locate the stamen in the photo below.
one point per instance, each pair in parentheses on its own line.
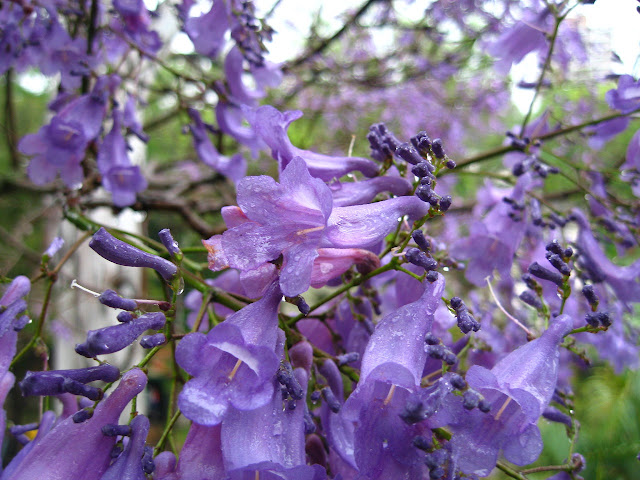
(351,144)
(234,371)
(257,475)
(509,316)
(389,395)
(503,407)
(310,230)
(75,284)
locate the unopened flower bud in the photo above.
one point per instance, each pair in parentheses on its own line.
(113,300)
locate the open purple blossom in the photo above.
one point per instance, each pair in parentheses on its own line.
(625,281)
(59,147)
(626,97)
(207,30)
(119,175)
(271,126)
(233,364)
(518,388)
(494,240)
(233,168)
(391,371)
(121,253)
(295,218)
(526,36)
(80,450)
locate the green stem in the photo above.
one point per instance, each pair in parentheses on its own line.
(166,431)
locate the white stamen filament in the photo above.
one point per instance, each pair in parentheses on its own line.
(75,284)
(234,371)
(389,395)
(351,144)
(257,475)
(509,316)
(503,408)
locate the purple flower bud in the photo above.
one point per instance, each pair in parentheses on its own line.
(406,152)
(83,415)
(532,299)
(309,424)
(445,203)
(450,358)
(437,148)
(330,398)
(539,271)
(121,253)
(436,458)
(421,241)
(113,430)
(115,338)
(113,300)
(286,378)
(424,192)
(422,442)
(450,164)
(169,243)
(419,258)
(590,295)
(554,247)
(559,264)
(347,358)
(484,406)
(56,382)
(422,169)
(436,351)
(456,303)
(151,341)
(554,415)
(148,465)
(125,317)
(530,282)
(457,381)
(470,399)
(21,322)
(432,276)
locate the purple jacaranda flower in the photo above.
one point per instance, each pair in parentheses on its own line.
(116,337)
(233,364)
(293,219)
(605,131)
(231,120)
(360,193)
(59,147)
(121,253)
(13,305)
(207,30)
(128,465)
(131,121)
(80,450)
(494,240)
(391,371)
(7,379)
(269,439)
(633,153)
(200,457)
(271,126)
(518,388)
(626,97)
(119,176)
(54,247)
(234,168)
(625,281)
(526,36)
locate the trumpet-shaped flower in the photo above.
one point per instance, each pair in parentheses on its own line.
(294,219)
(233,364)
(519,388)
